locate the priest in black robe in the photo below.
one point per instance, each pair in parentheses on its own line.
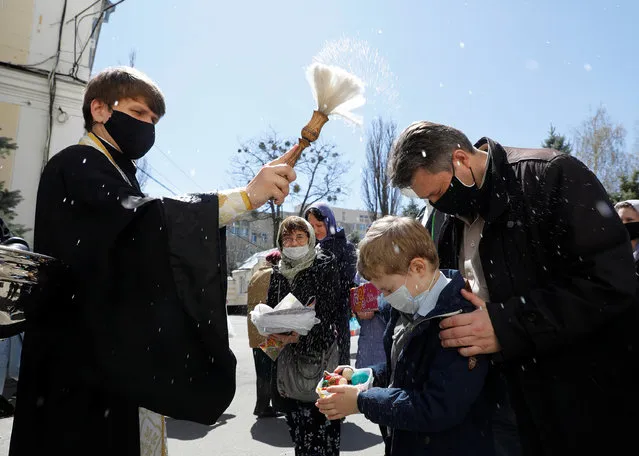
(133,327)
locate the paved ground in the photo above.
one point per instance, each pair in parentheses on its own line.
(238,433)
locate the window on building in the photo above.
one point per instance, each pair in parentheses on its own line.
(244,228)
(253,237)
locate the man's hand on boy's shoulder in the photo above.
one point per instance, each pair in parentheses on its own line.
(472,332)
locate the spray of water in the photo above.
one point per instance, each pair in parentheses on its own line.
(357,57)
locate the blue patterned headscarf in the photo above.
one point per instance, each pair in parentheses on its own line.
(327,217)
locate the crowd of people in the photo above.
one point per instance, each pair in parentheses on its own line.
(505,324)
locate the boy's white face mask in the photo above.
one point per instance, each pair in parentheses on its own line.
(402,300)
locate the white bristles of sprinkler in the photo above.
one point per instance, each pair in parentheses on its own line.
(336,91)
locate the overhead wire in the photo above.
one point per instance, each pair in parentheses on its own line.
(146,173)
(75,66)
(179,168)
(163,176)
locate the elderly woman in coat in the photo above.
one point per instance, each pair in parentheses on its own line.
(308,273)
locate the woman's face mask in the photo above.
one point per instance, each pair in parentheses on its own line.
(295,245)
(295,253)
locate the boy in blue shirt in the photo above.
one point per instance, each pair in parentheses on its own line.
(432,400)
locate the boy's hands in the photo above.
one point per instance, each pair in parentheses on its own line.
(342,402)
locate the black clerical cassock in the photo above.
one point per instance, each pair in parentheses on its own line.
(137,318)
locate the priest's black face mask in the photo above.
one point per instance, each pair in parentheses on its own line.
(131,125)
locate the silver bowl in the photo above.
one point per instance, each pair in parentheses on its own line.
(20,272)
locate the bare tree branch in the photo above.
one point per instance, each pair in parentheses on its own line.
(320,176)
(600,145)
(317,172)
(379,197)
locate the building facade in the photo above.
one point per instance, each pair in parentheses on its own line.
(47,49)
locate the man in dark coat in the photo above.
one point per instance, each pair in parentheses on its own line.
(551,269)
(138,321)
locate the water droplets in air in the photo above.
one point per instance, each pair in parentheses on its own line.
(357,57)
(604,209)
(532,64)
(462,45)
(84,161)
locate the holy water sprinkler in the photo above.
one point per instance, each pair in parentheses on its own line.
(337,93)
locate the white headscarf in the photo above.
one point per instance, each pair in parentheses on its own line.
(289,267)
(634,203)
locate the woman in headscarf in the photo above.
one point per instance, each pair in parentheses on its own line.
(628,212)
(333,239)
(306,272)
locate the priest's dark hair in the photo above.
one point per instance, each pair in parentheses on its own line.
(117,83)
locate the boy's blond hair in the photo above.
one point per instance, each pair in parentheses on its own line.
(391,243)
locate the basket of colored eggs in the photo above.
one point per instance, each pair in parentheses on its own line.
(345,375)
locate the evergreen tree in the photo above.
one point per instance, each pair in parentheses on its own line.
(557,142)
(628,188)
(411,209)
(9,199)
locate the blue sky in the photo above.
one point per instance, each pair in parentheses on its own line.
(506,69)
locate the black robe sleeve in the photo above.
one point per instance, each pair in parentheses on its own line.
(141,312)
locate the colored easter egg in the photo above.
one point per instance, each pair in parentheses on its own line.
(359,378)
(347,373)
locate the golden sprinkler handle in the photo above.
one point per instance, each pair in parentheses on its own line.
(310,133)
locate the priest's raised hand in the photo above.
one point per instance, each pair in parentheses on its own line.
(272,181)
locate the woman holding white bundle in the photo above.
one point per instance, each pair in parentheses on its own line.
(309,274)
